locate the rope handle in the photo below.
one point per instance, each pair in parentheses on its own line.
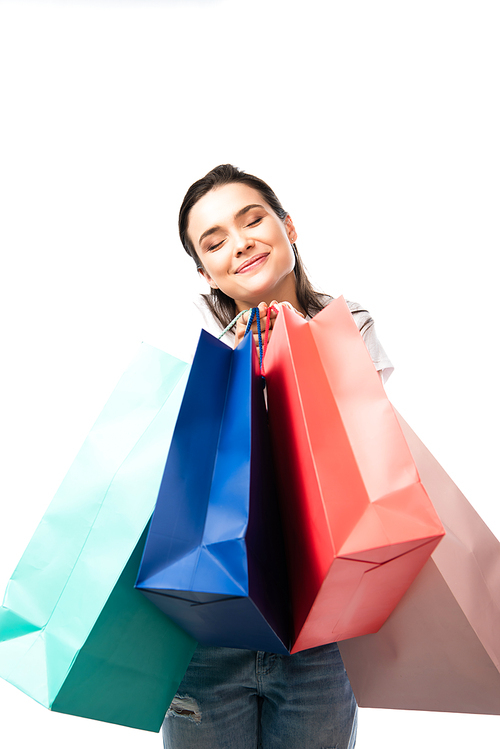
(235,319)
(232,323)
(254,314)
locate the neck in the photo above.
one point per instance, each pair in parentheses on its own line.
(286,293)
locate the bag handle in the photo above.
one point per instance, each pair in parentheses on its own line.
(254,314)
(232,323)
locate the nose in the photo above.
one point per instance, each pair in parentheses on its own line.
(242,243)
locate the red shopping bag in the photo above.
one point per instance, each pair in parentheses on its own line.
(358,523)
(440,648)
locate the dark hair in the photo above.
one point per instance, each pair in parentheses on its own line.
(222,306)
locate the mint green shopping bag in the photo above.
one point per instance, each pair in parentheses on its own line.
(74,633)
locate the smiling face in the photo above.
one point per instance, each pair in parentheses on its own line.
(244,247)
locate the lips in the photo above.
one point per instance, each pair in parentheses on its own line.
(252,262)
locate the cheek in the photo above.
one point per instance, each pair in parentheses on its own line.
(289,253)
(217,267)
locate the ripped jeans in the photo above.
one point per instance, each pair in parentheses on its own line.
(242,699)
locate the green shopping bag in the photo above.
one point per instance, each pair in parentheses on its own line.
(74,633)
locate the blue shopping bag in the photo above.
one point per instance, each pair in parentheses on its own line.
(214,559)
(74,633)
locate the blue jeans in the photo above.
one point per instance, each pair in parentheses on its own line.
(242,699)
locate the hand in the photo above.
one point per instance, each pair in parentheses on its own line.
(241,325)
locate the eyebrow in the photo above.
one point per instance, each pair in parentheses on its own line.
(237,215)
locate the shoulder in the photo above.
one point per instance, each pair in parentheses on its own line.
(366,327)
(361,316)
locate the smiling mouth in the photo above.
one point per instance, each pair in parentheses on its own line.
(252,263)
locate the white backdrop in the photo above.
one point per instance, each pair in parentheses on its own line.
(377,125)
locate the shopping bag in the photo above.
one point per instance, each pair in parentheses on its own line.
(440,648)
(214,559)
(358,523)
(74,633)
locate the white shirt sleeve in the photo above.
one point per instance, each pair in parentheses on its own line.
(366,327)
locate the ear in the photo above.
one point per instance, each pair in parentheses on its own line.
(207,278)
(290,229)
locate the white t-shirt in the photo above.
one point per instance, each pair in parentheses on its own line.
(362,317)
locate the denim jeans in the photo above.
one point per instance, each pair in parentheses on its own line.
(242,699)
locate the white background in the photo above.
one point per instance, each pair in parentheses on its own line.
(377,125)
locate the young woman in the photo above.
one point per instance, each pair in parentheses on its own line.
(243,243)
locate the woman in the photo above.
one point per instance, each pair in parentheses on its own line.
(243,243)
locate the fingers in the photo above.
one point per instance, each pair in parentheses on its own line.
(263,308)
(287,304)
(239,331)
(241,325)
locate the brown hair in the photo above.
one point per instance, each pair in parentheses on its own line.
(222,306)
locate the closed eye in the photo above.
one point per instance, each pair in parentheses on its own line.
(257,221)
(214,247)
